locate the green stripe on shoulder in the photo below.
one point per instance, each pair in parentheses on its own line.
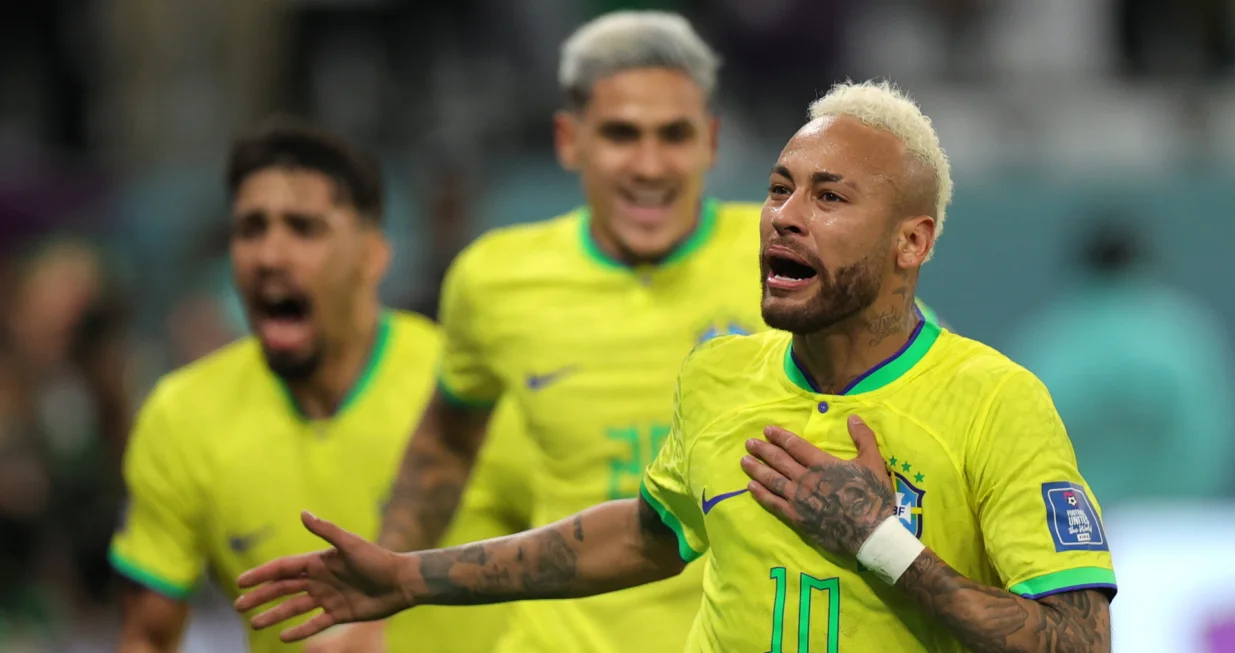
(381,342)
(684,550)
(458,401)
(147,579)
(708,210)
(1066,580)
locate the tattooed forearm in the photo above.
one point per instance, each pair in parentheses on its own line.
(596,551)
(826,491)
(431,479)
(480,573)
(990,620)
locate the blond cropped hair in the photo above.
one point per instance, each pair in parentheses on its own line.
(881,105)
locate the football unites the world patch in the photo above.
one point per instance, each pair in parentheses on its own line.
(1072,519)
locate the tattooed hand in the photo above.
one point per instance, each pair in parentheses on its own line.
(354,581)
(832,503)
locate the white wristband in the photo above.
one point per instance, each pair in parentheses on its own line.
(889,550)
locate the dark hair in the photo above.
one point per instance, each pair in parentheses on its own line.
(291,143)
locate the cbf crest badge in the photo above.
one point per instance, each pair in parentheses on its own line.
(909,503)
(908,496)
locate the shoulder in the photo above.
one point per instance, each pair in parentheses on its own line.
(415,350)
(730,363)
(210,376)
(737,224)
(720,352)
(200,393)
(499,252)
(980,371)
(411,327)
(739,214)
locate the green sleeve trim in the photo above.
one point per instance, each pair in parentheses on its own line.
(454,399)
(133,572)
(684,549)
(709,209)
(1066,580)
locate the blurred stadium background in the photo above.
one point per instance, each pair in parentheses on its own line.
(1091,237)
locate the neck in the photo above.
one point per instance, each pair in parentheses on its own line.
(835,357)
(321,395)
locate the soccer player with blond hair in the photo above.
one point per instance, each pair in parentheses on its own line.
(859,478)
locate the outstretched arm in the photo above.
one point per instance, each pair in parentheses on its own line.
(991,620)
(612,546)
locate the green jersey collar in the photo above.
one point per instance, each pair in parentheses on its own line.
(920,341)
(703,230)
(381,342)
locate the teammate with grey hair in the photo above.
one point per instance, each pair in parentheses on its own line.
(625,41)
(584,319)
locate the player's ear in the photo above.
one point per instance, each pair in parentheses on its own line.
(376,256)
(713,138)
(915,241)
(565,138)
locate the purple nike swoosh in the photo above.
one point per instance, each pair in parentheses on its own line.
(539,381)
(708,504)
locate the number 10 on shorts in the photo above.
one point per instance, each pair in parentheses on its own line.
(807,587)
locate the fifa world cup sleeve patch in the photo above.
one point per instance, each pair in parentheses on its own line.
(1071,518)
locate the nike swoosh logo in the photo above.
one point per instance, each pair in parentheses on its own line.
(243,543)
(539,381)
(708,504)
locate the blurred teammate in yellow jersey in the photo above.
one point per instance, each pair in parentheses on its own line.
(584,319)
(312,412)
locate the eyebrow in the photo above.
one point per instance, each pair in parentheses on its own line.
(621,124)
(261,214)
(818,177)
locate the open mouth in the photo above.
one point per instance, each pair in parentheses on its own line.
(647,205)
(787,271)
(282,320)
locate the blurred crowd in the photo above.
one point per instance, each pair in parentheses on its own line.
(113,237)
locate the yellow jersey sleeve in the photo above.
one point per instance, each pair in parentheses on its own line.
(1040,521)
(666,485)
(466,380)
(158,544)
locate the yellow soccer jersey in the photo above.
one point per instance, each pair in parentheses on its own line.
(984,471)
(589,349)
(221,463)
